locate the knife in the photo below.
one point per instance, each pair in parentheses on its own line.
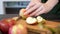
(19,17)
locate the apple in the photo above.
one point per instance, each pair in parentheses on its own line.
(21,13)
(31,20)
(40,19)
(10,22)
(5,24)
(18,29)
(4,27)
(41,22)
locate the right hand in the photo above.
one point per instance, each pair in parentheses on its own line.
(36,8)
(33,6)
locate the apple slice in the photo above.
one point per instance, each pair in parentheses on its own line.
(21,13)
(40,19)
(41,22)
(31,20)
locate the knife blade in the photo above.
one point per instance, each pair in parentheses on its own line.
(19,17)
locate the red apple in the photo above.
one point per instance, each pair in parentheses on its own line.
(18,29)
(5,24)
(10,22)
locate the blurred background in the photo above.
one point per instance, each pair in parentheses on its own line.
(12,6)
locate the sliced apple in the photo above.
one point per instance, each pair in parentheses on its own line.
(40,19)
(31,20)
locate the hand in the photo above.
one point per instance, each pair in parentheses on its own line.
(33,5)
(36,8)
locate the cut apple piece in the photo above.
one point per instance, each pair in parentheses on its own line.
(40,19)
(31,20)
(21,13)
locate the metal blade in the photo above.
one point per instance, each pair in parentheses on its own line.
(19,17)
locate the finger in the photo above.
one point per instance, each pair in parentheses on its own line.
(30,5)
(41,12)
(32,14)
(31,9)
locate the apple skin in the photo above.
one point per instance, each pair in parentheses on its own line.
(18,29)
(5,24)
(4,27)
(9,22)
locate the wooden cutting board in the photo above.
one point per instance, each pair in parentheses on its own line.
(36,28)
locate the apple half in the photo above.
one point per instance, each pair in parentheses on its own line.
(31,20)
(40,19)
(41,22)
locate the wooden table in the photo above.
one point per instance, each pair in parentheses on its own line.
(36,28)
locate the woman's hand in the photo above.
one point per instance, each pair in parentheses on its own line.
(32,3)
(33,7)
(36,8)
